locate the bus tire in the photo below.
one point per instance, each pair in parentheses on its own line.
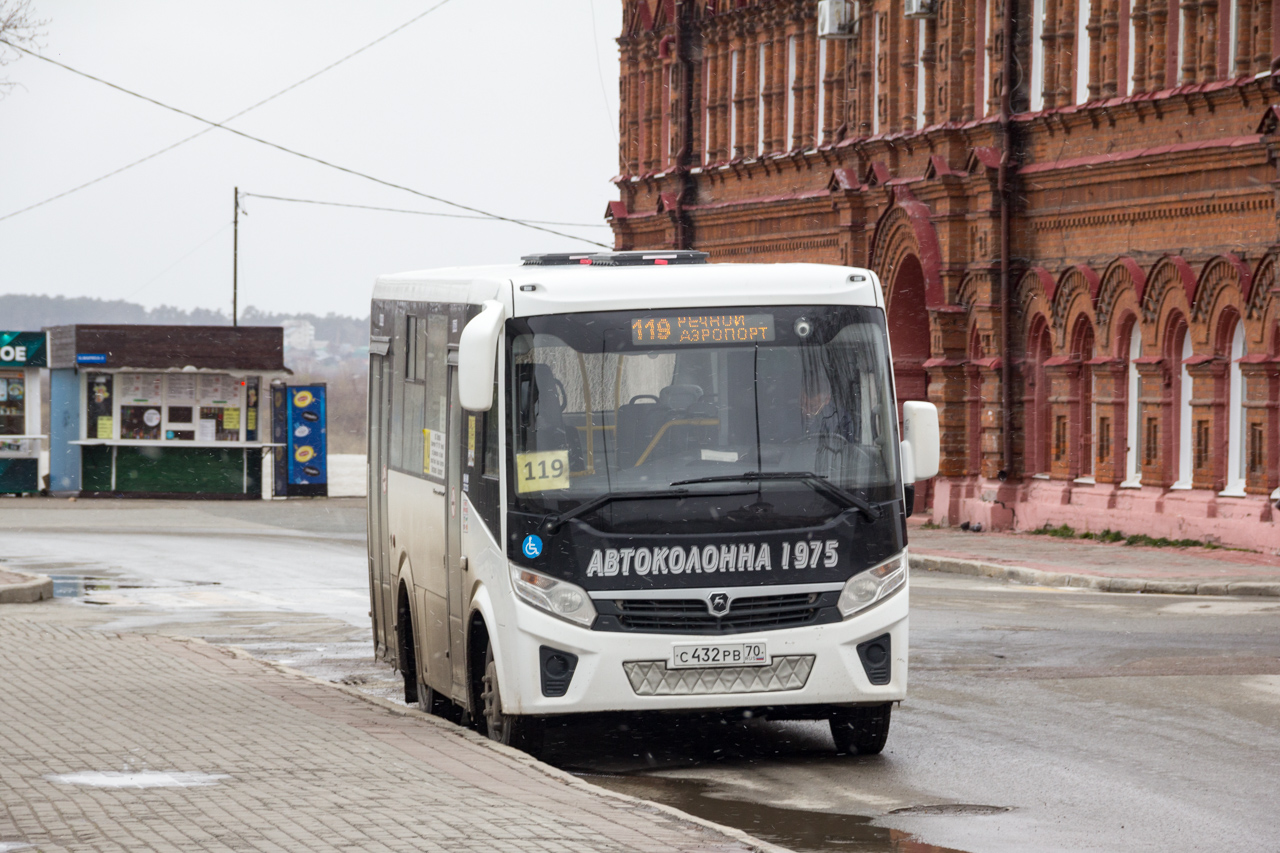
(437,704)
(861,729)
(516,730)
(407,651)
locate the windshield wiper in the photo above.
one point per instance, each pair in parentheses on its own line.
(553,522)
(819,484)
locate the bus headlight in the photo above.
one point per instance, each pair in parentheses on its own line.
(559,598)
(866,588)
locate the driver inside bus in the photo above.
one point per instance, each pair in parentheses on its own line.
(796,403)
(819,415)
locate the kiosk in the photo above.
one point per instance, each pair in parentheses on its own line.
(158,411)
(22,354)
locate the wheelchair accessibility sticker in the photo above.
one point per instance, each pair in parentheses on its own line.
(532,546)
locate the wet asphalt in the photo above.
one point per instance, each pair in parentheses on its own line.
(1036,719)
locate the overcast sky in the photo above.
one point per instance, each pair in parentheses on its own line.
(496,104)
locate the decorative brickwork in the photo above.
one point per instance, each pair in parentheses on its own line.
(1144,311)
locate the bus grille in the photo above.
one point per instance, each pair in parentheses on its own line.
(691,616)
(652,678)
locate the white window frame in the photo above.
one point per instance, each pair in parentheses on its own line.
(1084,8)
(1184,415)
(792,70)
(1235,418)
(1037,56)
(1132,456)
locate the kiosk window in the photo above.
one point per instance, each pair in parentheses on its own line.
(99,406)
(12,404)
(251,386)
(140,422)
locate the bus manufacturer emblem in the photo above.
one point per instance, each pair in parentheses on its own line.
(719,602)
(532,546)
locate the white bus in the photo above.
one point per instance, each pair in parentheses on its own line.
(640,482)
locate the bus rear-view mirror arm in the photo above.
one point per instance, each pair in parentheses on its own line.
(476,356)
(920,442)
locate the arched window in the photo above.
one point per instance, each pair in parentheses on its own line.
(1085,420)
(1133,411)
(1039,435)
(974,401)
(1182,404)
(1235,416)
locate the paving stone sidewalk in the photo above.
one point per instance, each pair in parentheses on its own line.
(293,763)
(1115,567)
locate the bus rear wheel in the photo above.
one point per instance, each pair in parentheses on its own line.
(437,704)
(861,729)
(519,731)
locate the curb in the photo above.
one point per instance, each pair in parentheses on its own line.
(35,588)
(756,845)
(1037,577)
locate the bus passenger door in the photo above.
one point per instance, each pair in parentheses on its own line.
(379,580)
(458,574)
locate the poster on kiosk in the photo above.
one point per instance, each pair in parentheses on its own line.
(22,354)
(299,423)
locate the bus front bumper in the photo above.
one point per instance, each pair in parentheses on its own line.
(616,671)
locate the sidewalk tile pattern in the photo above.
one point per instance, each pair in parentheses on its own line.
(309,767)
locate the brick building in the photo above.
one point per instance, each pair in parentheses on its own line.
(1142,363)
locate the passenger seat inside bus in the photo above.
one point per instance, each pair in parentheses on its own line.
(643,418)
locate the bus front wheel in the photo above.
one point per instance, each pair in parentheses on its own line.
(521,732)
(861,729)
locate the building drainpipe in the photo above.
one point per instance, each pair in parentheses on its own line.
(1005,191)
(684,225)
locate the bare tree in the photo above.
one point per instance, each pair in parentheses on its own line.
(19,27)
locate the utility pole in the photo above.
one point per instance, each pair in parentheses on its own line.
(235,259)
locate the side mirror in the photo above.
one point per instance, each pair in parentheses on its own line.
(920,443)
(476,353)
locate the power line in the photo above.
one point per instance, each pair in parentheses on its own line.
(418,212)
(313,159)
(168,148)
(160,274)
(604,92)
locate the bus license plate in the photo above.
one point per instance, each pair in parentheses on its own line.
(719,654)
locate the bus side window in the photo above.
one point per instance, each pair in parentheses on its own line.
(486,493)
(399,346)
(492,426)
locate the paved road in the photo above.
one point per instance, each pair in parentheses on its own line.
(1037,719)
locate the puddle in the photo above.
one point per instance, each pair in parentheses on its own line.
(82,586)
(139,779)
(6,846)
(801,831)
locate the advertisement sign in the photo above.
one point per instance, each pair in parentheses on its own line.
(307,446)
(23,349)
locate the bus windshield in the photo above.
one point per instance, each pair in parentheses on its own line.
(703,403)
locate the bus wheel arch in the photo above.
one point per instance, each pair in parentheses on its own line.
(517,730)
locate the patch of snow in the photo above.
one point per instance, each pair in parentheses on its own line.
(138,779)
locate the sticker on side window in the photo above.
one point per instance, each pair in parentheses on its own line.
(541,472)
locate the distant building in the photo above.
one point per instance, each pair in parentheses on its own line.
(1144,346)
(299,335)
